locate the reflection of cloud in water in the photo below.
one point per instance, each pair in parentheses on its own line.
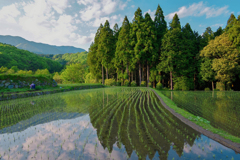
(47,139)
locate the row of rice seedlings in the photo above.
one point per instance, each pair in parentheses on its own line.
(175,125)
(104,111)
(142,137)
(106,108)
(172,121)
(83,147)
(156,120)
(146,128)
(98,110)
(121,122)
(113,111)
(113,118)
(128,134)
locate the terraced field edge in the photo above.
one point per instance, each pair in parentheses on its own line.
(218,135)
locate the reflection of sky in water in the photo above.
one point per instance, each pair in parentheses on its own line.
(77,139)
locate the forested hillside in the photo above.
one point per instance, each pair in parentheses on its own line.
(174,56)
(25,60)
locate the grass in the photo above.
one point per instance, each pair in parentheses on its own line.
(197,120)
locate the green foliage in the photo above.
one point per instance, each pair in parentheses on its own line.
(15,68)
(207,89)
(225,58)
(133,84)
(3,69)
(126,82)
(38,88)
(159,86)
(149,84)
(220,86)
(110,82)
(57,78)
(143,84)
(175,22)
(25,60)
(74,73)
(183,83)
(90,78)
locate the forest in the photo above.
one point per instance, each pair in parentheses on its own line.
(148,52)
(24,60)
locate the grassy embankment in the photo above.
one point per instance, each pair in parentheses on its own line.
(194,119)
(46,88)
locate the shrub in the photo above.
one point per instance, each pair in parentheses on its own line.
(207,89)
(38,88)
(143,84)
(118,83)
(133,84)
(220,86)
(126,82)
(183,83)
(109,82)
(216,90)
(159,86)
(149,84)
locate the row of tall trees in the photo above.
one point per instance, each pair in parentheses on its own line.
(178,57)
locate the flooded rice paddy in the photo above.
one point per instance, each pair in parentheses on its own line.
(112,123)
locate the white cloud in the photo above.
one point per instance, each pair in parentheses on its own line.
(217,25)
(112,20)
(8,14)
(198,9)
(97,9)
(152,13)
(132,6)
(85,39)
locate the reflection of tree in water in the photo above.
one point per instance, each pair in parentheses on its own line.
(150,129)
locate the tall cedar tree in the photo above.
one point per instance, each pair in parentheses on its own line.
(137,37)
(207,36)
(187,67)
(231,21)
(171,47)
(225,58)
(150,44)
(161,29)
(234,35)
(122,54)
(106,47)
(218,32)
(92,58)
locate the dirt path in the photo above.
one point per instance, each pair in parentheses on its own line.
(216,137)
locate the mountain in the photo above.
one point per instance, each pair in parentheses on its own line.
(39,48)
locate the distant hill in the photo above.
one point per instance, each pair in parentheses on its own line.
(23,59)
(38,48)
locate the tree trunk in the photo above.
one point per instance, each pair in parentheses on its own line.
(154,84)
(117,77)
(212,86)
(194,81)
(171,80)
(160,76)
(102,75)
(162,82)
(139,74)
(122,78)
(135,76)
(132,75)
(147,74)
(143,72)
(106,73)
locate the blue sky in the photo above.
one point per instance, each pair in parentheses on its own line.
(75,22)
